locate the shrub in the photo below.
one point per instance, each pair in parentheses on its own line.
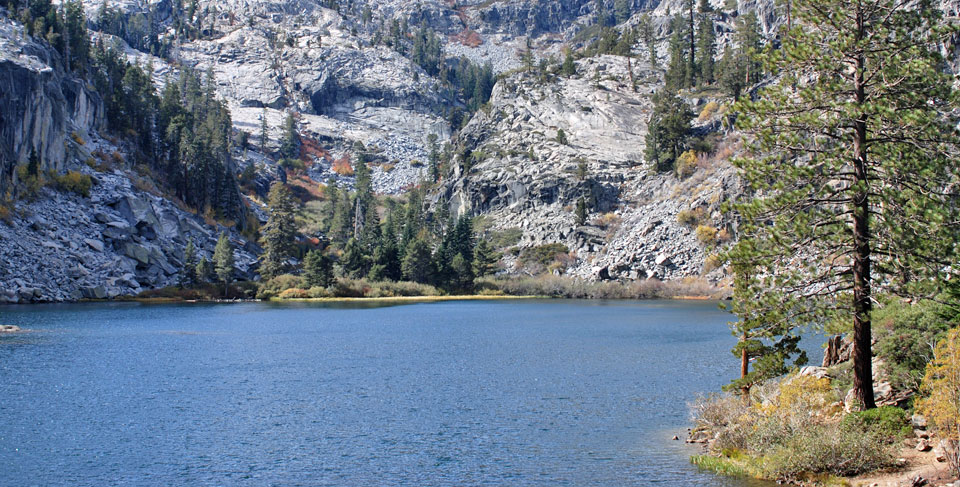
(711,263)
(905,334)
(686,164)
(706,234)
(791,431)
(941,389)
(75,182)
(350,288)
(690,217)
(278,284)
(294,293)
(318,292)
(543,254)
(890,422)
(416,163)
(830,449)
(708,111)
(342,166)
(507,237)
(76,138)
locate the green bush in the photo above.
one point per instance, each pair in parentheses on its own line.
(277,285)
(543,254)
(828,449)
(905,333)
(790,431)
(318,292)
(889,422)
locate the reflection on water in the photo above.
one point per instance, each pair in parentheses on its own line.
(452,393)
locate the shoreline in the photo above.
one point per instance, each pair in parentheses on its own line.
(402,299)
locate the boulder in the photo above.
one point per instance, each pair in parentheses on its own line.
(663,260)
(818,372)
(136,210)
(94,244)
(137,252)
(94,292)
(923,445)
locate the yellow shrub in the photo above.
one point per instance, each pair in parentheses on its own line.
(76,182)
(686,164)
(708,111)
(941,390)
(711,262)
(690,217)
(76,138)
(800,395)
(706,234)
(294,293)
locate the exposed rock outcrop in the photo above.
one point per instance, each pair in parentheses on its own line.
(40,106)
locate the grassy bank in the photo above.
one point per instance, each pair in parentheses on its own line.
(294,288)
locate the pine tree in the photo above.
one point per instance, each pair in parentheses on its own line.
(485,259)
(677,76)
(854,187)
(581,212)
(188,273)
(290,143)
(33,163)
(706,45)
(417,260)
(264,131)
(278,235)
(317,269)
(203,270)
(223,261)
(568,68)
(668,130)
(646,32)
(355,261)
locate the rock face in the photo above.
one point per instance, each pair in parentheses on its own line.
(521,176)
(39,106)
(120,241)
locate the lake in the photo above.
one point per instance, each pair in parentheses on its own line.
(454,393)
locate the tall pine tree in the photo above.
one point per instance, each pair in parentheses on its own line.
(852,170)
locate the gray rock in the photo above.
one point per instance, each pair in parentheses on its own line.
(94,244)
(94,292)
(137,252)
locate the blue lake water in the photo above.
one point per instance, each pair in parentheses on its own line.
(455,393)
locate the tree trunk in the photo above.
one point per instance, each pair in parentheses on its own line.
(693,49)
(862,305)
(744,369)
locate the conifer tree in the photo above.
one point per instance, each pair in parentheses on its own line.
(417,260)
(264,131)
(568,68)
(317,269)
(485,259)
(203,270)
(706,44)
(278,235)
(223,261)
(668,130)
(852,174)
(188,273)
(290,143)
(581,211)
